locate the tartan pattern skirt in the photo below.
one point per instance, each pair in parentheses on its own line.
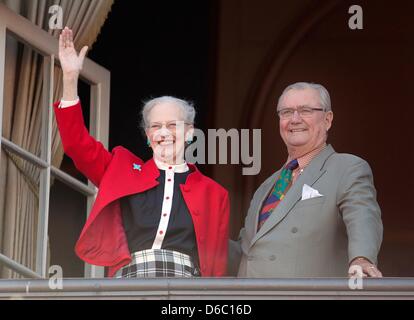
(153,263)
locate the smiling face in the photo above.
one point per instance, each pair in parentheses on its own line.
(302,135)
(167,132)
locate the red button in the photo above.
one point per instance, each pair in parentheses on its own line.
(161,232)
(169,167)
(169,179)
(164,214)
(167,198)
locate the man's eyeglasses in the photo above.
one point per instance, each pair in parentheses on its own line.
(304,112)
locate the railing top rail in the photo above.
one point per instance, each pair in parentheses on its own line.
(208,288)
(225,283)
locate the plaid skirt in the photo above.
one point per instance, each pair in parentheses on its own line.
(159,263)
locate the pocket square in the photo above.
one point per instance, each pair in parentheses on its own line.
(309,193)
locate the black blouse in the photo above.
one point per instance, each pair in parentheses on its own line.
(142,213)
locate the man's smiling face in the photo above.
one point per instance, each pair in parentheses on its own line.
(304,133)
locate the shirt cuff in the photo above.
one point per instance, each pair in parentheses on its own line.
(68,103)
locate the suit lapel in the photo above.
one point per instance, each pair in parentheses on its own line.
(310,175)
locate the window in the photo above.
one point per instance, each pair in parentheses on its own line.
(38,159)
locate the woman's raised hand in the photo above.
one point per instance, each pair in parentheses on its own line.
(70,61)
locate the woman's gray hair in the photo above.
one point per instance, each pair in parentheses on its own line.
(323,93)
(186,106)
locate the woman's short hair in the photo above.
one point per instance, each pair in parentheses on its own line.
(186,106)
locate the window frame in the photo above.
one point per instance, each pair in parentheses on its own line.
(16,26)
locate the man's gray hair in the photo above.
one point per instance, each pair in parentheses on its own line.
(323,93)
(186,107)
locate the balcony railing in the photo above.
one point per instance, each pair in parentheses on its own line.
(208,288)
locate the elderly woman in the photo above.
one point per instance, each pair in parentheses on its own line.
(161,218)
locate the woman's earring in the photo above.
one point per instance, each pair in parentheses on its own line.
(189,141)
(148,142)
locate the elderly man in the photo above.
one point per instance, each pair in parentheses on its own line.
(318,215)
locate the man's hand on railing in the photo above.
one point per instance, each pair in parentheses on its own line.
(71,63)
(368,269)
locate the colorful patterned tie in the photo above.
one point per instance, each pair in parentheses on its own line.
(279,190)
